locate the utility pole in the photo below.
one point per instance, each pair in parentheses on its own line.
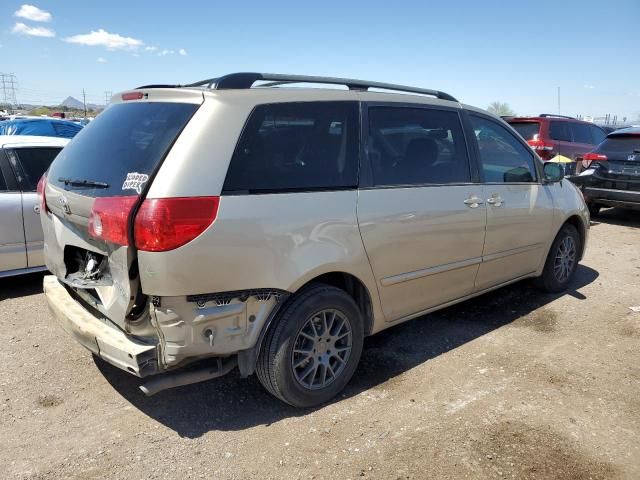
(559,112)
(84,102)
(107,97)
(9,87)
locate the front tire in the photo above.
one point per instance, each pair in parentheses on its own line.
(313,348)
(562,261)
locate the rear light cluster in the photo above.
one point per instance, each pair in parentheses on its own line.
(161,224)
(545,150)
(589,158)
(42,187)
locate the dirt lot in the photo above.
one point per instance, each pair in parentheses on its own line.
(514,384)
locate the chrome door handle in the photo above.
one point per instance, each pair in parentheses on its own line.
(473,202)
(495,200)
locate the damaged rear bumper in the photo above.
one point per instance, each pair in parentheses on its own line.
(99,335)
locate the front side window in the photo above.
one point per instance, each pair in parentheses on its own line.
(504,159)
(3,183)
(559,131)
(416,146)
(296,147)
(581,133)
(30,163)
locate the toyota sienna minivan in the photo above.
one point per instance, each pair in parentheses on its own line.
(238,222)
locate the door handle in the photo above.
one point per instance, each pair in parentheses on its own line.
(36,208)
(496,200)
(473,202)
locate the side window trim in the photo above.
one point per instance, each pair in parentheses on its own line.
(536,160)
(366,169)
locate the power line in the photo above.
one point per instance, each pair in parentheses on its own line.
(107,97)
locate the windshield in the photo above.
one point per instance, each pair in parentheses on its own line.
(527,130)
(121,148)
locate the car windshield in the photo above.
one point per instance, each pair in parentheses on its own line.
(527,130)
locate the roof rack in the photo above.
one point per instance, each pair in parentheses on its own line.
(543,115)
(245,80)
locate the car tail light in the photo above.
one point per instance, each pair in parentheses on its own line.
(543,148)
(163,224)
(591,157)
(109,218)
(42,187)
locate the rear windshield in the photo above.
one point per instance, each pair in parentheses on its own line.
(527,130)
(120,148)
(620,144)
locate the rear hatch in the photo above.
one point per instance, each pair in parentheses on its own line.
(618,162)
(92,191)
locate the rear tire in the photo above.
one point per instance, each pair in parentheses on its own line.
(562,261)
(594,209)
(313,347)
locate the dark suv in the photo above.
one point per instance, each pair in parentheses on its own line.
(612,175)
(550,135)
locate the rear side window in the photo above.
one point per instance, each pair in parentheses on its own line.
(30,163)
(581,133)
(3,183)
(504,159)
(527,130)
(296,147)
(597,133)
(416,146)
(121,147)
(559,131)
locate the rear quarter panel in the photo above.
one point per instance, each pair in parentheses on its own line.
(266,241)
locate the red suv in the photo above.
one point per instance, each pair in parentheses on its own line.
(550,135)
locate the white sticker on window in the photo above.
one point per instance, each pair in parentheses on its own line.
(135,181)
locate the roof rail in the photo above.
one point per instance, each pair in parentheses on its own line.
(543,115)
(246,80)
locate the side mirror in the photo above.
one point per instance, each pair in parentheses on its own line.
(553,172)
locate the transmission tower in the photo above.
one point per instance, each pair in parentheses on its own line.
(9,86)
(107,97)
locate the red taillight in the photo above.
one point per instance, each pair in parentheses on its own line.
(590,157)
(132,96)
(42,187)
(163,224)
(542,148)
(109,218)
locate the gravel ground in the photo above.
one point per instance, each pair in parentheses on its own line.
(514,384)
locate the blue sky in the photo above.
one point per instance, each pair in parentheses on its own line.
(513,51)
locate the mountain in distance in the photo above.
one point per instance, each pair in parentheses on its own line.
(71,102)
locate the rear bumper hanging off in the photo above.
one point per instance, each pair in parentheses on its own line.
(98,335)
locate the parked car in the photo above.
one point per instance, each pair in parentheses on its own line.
(273,228)
(550,135)
(612,172)
(23,160)
(44,127)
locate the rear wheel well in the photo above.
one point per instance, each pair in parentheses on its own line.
(355,288)
(577,222)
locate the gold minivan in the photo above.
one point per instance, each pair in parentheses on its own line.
(239,222)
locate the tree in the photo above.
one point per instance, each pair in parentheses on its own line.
(500,108)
